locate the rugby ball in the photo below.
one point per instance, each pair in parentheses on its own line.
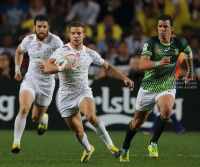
(65,59)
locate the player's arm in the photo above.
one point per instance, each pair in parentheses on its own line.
(189,61)
(50,68)
(18,61)
(146,64)
(112,70)
(145,60)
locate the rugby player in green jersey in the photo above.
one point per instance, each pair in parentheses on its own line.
(158,60)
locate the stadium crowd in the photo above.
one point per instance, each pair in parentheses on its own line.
(116,29)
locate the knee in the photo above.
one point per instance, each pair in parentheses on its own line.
(35,119)
(92,118)
(24,109)
(166,112)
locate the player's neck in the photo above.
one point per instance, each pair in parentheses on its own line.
(79,47)
(166,40)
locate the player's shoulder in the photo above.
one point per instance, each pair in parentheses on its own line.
(31,37)
(153,39)
(179,40)
(90,51)
(54,37)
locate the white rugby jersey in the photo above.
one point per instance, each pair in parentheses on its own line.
(40,51)
(76,80)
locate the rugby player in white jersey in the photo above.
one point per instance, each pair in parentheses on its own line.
(74,93)
(37,86)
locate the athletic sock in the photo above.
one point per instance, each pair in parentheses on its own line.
(159,127)
(85,143)
(103,134)
(19,126)
(44,119)
(130,133)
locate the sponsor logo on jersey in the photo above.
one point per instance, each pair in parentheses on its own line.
(158,51)
(167,49)
(30,37)
(176,51)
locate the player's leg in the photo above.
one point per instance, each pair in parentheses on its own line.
(25,99)
(42,101)
(165,103)
(39,116)
(179,127)
(75,124)
(87,107)
(133,127)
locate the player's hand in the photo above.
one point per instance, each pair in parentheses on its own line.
(165,60)
(189,76)
(18,75)
(70,66)
(129,83)
(41,65)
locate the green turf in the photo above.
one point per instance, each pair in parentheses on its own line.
(60,148)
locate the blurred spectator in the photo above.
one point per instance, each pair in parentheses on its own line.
(14,13)
(86,10)
(58,11)
(7,46)
(179,11)
(134,73)
(187,33)
(196,63)
(136,40)
(119,9)
(5,71)
(195,46)
(195,12)
(121,60)
(102,45)
(36,8)
(109,21)
(109,57)
(60,7)
(147,17)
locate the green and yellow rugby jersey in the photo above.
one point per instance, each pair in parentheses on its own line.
(162,78)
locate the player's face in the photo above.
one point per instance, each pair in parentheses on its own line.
(76,35)
(41,29)
(164,29)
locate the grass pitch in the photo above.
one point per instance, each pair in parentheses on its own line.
(61,149)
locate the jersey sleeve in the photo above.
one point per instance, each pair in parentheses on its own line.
(97,58)
(184,46)
(148,48)
(23,45)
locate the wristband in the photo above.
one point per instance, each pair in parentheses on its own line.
(61,68)
(17,68)
(190,70)
(157,63)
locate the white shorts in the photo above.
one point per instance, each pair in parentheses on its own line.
(146,99)
(41,94)
(69,103)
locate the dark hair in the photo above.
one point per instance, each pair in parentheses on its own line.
(7,54)
(41,18)
(77,24)
(165,17)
